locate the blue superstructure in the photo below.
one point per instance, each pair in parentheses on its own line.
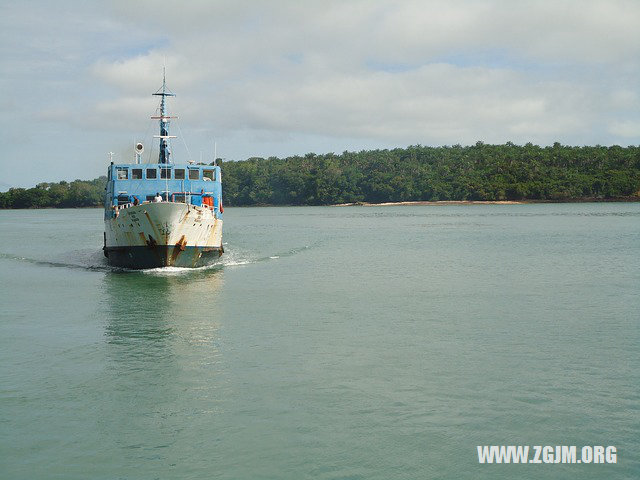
(130,184)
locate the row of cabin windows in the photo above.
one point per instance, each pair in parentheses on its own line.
(122,173)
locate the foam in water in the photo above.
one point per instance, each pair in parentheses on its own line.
(93,260)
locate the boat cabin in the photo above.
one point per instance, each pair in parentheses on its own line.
(133,184)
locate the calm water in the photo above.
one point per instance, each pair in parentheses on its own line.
(330,343)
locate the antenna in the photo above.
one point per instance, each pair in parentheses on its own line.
(111,154)
(164,136)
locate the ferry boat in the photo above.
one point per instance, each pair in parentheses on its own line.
(162,214)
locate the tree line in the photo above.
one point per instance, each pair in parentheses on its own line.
(476,172)
(79,193)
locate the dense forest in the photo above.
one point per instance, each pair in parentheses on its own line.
(79,193)
(477,172)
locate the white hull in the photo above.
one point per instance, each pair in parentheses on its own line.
(140,234)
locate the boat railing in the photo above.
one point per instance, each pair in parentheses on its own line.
(206,200)
(123,206)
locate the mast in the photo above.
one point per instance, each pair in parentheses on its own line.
(165,151)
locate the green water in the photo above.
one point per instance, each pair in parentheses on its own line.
(330,343)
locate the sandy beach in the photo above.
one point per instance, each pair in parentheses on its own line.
(443,202)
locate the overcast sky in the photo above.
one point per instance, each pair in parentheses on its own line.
(265,78)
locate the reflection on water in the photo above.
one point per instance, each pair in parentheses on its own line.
(164,365)
(157,305)
(164,318)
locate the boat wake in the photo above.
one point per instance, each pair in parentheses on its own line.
(82,262)
(234,259)
(93,260)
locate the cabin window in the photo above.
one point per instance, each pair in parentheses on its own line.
(208,174)
(123,173)
(123,199)
(179,174)
(136,174)
(194,174)
(152,173)
(165,173)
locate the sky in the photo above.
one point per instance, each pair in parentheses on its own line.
(281,78)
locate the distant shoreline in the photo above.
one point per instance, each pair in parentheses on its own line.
(396,204)
(487,202)
(439,202)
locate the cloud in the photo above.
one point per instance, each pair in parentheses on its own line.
(283,67)
(406,31)
(627,129)
(282,77)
